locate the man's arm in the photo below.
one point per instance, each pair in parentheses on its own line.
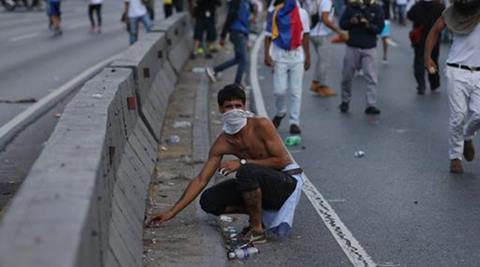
(347,21)
(432,40)
(306,49)
(232,14)
(193,189)
(326,20)
(376,26)
(267,59)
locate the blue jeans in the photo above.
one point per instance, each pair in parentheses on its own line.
(239,41)
(134,27)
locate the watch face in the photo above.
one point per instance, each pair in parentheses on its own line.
(243,161)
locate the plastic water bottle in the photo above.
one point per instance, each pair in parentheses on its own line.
(242,253)
(293,140)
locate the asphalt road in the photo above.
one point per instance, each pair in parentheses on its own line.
(33,64)
(399,201)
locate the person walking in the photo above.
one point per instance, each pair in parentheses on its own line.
(169,5)
(463,76)
(401,7)
(364,21)
(423,14)
(136,12)
(204,13)
(95,6)
(319,34)
(287,51)
(237,26)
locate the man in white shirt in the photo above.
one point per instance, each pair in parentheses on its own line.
(319,35)
(289,55)
(136,12)
(463,76)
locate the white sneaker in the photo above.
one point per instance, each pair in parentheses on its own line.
(211,74)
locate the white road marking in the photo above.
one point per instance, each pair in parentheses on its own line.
(350,246)
(23,37)
(22,120)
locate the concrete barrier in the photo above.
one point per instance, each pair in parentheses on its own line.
(82,203)
(154,76)
(179,34)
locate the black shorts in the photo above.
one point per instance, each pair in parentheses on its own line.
(202,25)
(275,185)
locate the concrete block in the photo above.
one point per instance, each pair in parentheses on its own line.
(178,29)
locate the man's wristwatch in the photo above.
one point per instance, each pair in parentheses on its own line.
(243,161)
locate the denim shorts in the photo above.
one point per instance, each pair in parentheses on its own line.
(276,187)
(54,8)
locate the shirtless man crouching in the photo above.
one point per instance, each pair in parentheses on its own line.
(267,183)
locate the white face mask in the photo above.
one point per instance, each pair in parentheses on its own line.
(234,120)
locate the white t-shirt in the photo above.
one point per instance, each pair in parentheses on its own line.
(465,49)
(96,2)
(321,29)
(136,8)
(295,55)
(401,2)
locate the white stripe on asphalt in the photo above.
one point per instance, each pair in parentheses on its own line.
(23,37)
(350,246)
(22,120)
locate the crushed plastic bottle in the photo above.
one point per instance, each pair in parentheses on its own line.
(359,154)
(293,140)
(242,253)
(173,140)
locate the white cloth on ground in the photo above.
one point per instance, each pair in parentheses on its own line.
(280,222)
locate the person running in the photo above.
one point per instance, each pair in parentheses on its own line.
(95,6)
(463,76)
(267,184)
(237,26)
(319,34)
(54,13)
(136,12)
(287,50)
(364,21)
(423,14)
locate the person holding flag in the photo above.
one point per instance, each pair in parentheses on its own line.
(287,51)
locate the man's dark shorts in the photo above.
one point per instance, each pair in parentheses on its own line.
(54,8)
(202,25)
(275,185)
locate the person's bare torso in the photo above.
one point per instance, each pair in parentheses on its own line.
(249,143)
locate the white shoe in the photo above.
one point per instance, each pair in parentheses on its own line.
(211,74)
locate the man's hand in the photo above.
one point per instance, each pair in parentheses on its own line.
(222,42)
(229,166)
(268,60)
(354,20)
(430,66)
(364,21)
(306,64)
(159,218)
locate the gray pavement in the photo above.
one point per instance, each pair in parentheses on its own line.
(34,64)
(399,201)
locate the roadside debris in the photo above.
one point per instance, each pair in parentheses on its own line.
(57,115)
(97,96)
(173,139)
(359,154)
(293,140)
(242,253)
(226,218)
(198,70)
(182,124)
